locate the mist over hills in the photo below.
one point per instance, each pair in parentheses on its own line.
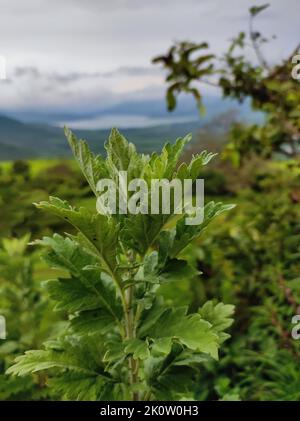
(147,124)
(24,140)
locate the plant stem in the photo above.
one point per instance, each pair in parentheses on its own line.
(131,334)
(147,396)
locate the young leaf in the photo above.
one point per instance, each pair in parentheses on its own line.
(93,167)
(255,10)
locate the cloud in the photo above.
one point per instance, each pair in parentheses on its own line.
(33,88)
(88,54)
(26,71)
(132,71)
(35,73)
(35,94)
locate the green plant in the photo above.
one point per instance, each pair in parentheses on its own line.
(29,318)
(22,182)
(251,259)
(122,340)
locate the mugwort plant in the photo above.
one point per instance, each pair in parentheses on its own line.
(123,340)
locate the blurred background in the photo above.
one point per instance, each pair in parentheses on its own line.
(88,65)
(157,70)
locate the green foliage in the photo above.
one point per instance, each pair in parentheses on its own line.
(252,260)
(123,340)
(139,320)
(271,90)
(22,183)
(29,319)
(255,10)
(184,69)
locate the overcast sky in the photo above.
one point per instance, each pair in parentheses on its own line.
(70,54)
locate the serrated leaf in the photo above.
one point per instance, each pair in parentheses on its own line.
(138,348)
(81,387)
(71,295)
(94,322)
(122,156)
(162,346)
(163,165)
(64,354)
(218,315)
(140,231)
(185,234)
(150,317)
(100,231)
(190,330)
(195,167)
(93,167)
(86,289)
(177,270)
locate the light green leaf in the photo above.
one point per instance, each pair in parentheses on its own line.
(100,231)
(81,387)
(86,289)
(190,330)
(218,315)
(162,346)
(138,348)
(93,167)
(122,156)
(69,353)
(71,295)
(164,165)
(185,234)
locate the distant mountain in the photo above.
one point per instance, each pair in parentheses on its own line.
(23,139)
(155,108)
(129,113)
(20,140)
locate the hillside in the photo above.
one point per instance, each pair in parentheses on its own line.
(24,140)
(21,140)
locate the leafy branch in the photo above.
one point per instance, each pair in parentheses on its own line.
(122,341)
